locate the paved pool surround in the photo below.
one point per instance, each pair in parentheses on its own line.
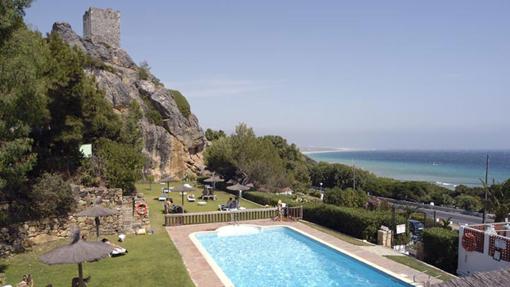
(203,274)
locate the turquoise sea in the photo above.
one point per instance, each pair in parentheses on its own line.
(446,168)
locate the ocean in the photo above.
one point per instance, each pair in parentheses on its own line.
(445,168)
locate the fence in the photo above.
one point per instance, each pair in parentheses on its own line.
(228,216)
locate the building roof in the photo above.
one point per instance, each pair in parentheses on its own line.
(498,278)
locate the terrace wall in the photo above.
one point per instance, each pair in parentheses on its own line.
(487,242)
(22,236)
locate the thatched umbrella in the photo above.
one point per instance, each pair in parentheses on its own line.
(183,188)
(167,179)
(238,187)
(214,179)
(97,211)
(77,252)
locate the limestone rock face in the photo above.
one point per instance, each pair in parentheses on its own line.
(174,146)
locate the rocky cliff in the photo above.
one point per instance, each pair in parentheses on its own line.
(173,139)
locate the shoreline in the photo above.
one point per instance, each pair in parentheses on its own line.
(305,152)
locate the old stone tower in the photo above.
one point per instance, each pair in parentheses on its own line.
(102,26)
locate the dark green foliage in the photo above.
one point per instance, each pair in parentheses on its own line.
(266,161)
(212,135)
(51,195)
(121,164)
(248,157)
(338,175)
(11,16)
(295,162)
(347,197)
(181,102)
(440,248)
(468,202)
(357,222)
(48,107)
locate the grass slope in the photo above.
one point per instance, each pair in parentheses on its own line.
(420,266)
(153,260)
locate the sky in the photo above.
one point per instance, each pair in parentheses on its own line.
(355,74)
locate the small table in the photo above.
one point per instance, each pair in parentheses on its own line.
(201,203)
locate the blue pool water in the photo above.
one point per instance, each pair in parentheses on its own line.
(280,256)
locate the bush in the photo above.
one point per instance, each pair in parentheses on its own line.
(468,202)
(51,195)
(347,197)
(357,222)
(182,103)
(121,164)
(440,247)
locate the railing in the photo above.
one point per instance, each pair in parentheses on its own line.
(295,212)
(229,216)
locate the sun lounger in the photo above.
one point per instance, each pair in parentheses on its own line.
(191,198)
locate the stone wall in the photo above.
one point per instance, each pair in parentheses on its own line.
(22,236)
(102,26)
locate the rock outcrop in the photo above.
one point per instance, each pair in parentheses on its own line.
(174,145)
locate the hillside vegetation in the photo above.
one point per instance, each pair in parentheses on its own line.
(271,163)
(49,107)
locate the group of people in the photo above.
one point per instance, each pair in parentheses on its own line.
(170,207)
(231,204)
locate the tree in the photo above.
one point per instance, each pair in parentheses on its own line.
(468,202)
(212,135)
(121,164)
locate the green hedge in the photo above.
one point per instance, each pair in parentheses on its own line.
(440,247)
(357,222)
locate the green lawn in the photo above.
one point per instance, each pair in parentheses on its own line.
(154,190)
(153,260)
(420,266)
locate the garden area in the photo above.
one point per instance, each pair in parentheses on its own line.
(152,260)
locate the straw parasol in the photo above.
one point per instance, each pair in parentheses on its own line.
(183,188)
(77,252)
(167,179)
(238,187)
(214,179)
(97,211)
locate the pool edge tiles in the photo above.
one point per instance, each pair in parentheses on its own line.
(401,279)
(210,260)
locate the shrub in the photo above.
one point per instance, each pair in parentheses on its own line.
(182,103)
(440,247)
(144,71)
(347,197)
(357,222)
(51,195)
(122,164)
(468,202)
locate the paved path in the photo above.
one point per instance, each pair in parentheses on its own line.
(204,276)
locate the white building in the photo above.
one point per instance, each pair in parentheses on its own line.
(484,247)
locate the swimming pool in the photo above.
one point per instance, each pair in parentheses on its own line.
(282,256)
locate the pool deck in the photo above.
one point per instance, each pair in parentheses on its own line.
(203,275)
